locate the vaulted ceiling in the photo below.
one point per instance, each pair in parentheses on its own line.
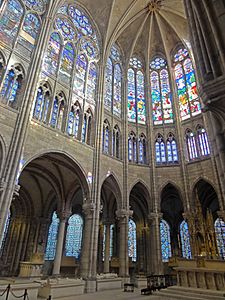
(139,25)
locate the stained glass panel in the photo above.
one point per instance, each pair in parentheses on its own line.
(108,84)
(165,241)
(66,63)
(117,90)
(52,238)
(10,21)
(191,144)
(156,99)
(79,81)
(185,240)
(36,5)
(38,103)
(74,236)
(51,59)
(132,242)
(80,21)
(203,142)
(141,110)
(192,88)
(55,112)
(180,55)
(65,28)
(10,87)
(131,96)
(166,97)
(91,83)
(220,236)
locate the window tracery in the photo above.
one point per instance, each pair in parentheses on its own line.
(172,151)
(74,120)
(58,111)
(42,103)
(160,150)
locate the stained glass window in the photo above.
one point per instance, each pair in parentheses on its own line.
(66,63)
(131,96)
(36,5)
(11,86)
(185,240)
(165,241)
(73,121)
(80,77)
(161,92)
(51,59)
(172,152)
(65,28)
(74,236)
(52,238)
(203,141)
(106,137)
(116,141)
(220,236)
(57,112)
(160,150)
(38,103)
(117,90)
(91,83)
(132,242)
(132,148)
(108,84)
(112,226)
(186,85)
(141,111)
(84,129)
(142,149)
(10,21)
(191,145)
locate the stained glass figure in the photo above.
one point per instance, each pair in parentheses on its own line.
(80,77)
(191,145)
(161,92)
(36,5)
(220,236)
(172,152)
(10,21)
(65,28)
(80,21)
(66,63)
(160,150)
(117,90)
(185,240)
(131,96)
(52,238)
(51,59)
(108,84)
(203,141)
(74,236)
(91,83)
(165,241)
(132,240)
(28,34)
(141,110)
(186,85)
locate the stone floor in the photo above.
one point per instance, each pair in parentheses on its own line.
(113,295)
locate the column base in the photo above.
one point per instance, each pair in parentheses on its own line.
(90,285)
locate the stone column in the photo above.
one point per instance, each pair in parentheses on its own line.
(156,256)
(123,216)
(107,247)
(63,216)
(88,209)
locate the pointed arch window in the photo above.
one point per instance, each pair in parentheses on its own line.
(203,141)
(160,150)
(74,121)
(116,141)
(142,149)
(106,132)
(74,236)
(113,82)
(186,85)
(42,103)
(185,240)
(132,240)
(66,63)
(86,129)
(132,147)
(191,145)
(91,83)
(11,85)
(172,152)
(52,238)
(162,109)
(80,77)
(58,111)
(111,245)
(136,93)
(220,236)
(165,241)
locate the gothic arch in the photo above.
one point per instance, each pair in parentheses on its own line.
(111,182)
(2,153)
(176,186)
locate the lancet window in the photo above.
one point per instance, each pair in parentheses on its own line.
(220,236)
(52,238)
(132,147)
(42,103)
(86,129)
(185,240)
(74,236)
(57,114)
(74,120)
(106,137)
(160,150)
(116,142)
(165,241)
(171,147)
(203,141)
(191,145)
(132,240)
(142,149)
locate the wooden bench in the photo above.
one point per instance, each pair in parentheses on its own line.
(128,287)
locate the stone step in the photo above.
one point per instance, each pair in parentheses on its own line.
(191,293)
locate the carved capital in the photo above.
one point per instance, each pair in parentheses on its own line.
(88,209)
(64,215)
(123,214)
(154,216)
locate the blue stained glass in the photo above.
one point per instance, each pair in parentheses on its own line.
(10,21)
(130,149)
(132,242)
(52,238)
(70,122)
(131,96)
(191,144)
(84,129)
(117,90)
(55,112)
(156,99)
(166,97)
(106,140)
(65,28)
(10,87)
(141,110)
(38,104)
(180,55)
(51,59)
(185,240)
(114,54)
(108,84)
(36,5)
(92,81)
(172,154)
(203,142)
(165,241)
(89,49)
(80,76)
(220,236)
(141,152)
(160,151)
(32,26)
(74,236)
(111,242)
(80,21)
(66,65)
